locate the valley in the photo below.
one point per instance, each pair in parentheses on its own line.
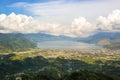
(60,40)
(49,57)
(59,61)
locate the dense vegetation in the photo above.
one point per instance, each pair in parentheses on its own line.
(55,74)
(47,67)
(14,42)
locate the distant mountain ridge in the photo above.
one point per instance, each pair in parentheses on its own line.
(39,37)
(91,39)
(109,40)
(15,41)
(99,36)
(105,39)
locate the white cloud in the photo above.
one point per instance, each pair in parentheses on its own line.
(16,23)
(65,11)
(79,27)
(26,24)
(111,22)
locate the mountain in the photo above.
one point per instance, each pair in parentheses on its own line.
(59,42)
(114,45)
(99,36)
(14,42)
(40,37)
(18,42)
(106,39)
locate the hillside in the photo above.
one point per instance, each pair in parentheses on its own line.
(40,37)
(99,36)
(55,74)
(14,42)
(109,40)
(89,75)
(54,64)
(19,42)
(104,39)
(113,45)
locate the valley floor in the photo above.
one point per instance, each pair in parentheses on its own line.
(60,61)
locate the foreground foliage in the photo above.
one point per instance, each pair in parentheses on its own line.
(60,67)
(53,74)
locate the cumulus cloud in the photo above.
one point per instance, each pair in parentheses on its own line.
(79,27)
(16,23)
(111,22)
(62,13)
(27,24)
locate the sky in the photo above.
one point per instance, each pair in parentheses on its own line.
(74,18)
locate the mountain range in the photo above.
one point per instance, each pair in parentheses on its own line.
(18,41)
(106,39)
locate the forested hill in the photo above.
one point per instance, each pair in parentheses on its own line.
(110,40)
(14,42)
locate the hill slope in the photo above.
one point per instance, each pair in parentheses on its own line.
(39,37)
(105,39)
(14,42)
(56,74)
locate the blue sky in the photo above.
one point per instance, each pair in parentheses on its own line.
(4,5)
(7,10)
(60,17)
(60,10)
